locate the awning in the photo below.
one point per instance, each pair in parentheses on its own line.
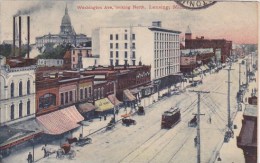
(206,66)
(134,91)
(203,68)
(128,96)
(196,78)
(103,105)
(114,100)
(86,107)
(18,133)
(60,121)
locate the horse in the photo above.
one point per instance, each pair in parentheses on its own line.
(48,151)
(71,140)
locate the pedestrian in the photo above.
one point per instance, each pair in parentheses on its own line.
(44,149)
(29,157)
(209,120)
(105,117)
(100,117)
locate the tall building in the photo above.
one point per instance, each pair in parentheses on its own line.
(67,34)
(17,93)
(149,45)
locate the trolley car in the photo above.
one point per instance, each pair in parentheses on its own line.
(170,118)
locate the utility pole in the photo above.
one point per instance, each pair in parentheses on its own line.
(228,102)
(239,81)
(198,124)
(115,81)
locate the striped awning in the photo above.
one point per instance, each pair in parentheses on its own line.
(114,100)
(128,96)
(61,121)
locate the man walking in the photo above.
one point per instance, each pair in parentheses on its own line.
(29,157)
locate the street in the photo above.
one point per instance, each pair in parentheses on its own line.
(147,142)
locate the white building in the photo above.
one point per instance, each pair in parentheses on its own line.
(50,62)
(152,45)
(17,93)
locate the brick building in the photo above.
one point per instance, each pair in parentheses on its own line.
(221,47)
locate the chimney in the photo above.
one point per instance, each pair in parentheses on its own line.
(14,36)
(28,36)
(20,35)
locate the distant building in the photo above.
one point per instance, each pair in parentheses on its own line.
(67,34)
(221,47)
(50,62)
(81,57)
(151,45)
(193,58)
(247,139)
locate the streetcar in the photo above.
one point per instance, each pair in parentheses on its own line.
(170,118)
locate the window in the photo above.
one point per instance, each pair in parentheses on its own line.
(125,45)
(20,88)
(133,45)
(62,99)
(133,62)
(89,91)
(73,59)
(81,94)
(125,36)
(116,45)
(125,54)
(111,45)
(71,96)
(20,109)
(12,112)
(133,36)
(28,107)
(12,90)
(133,54)
(111,37)
(111,62)
(116,62)
(125,62)
(28,87)
(111,54)
(47,100)
(117,53)
(86,92)
(98,93)
(116,36)
(66,97)
(73,51)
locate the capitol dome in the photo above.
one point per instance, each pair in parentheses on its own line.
(66,18)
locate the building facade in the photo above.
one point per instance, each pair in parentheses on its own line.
(221,47)
(17,93)
(50,62)
(151,45)
(67,34)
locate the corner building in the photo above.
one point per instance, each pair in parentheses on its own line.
(150,45)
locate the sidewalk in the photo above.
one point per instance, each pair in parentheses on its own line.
(229,152)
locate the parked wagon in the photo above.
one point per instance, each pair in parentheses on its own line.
(193,122)
(81,141)
(65,151)
(128,121)
(140,110)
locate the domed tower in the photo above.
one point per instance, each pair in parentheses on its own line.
(188,35)
(66,28)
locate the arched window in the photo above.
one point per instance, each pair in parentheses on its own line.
(20,109)
(28,87)
(20,88)
(12,112)
(47,100)
(28,107)
(12,90)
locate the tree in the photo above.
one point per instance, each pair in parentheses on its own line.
(52,52)
(7,50)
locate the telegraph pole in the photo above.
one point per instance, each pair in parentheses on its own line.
(198,124)
(239,82)
(228,97)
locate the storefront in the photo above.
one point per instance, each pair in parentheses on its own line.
(87,110)
(104,106)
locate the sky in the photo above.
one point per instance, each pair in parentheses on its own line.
(235,21)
